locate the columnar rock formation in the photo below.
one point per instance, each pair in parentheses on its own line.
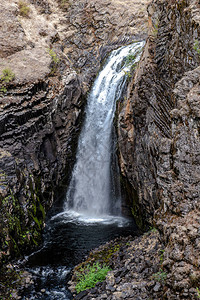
(159,139)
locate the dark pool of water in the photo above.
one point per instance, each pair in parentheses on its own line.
(67,240)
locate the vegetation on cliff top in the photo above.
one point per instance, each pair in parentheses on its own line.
(6,77)
(24,9)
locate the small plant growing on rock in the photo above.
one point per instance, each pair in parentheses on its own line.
(154,31)
(89,276)
(64,4)
(160,276)
(196,47)
(162,251)
(24,10)
(54,60)
(6,77)
(130,58)
(130,61)
(153,229)
(198,293)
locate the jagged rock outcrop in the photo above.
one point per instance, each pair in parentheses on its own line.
(54,49)
(135,274)
(159,139)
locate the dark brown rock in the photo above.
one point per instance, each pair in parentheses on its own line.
(159,137)
(128,280)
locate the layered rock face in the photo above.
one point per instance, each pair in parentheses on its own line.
(159,139)
(54,49)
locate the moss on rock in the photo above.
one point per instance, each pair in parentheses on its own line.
(21,223)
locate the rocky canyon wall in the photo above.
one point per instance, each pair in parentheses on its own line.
(52,50)
(159,140)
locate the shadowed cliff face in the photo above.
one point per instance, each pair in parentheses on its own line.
(42,110)
(159,139)
(38,134)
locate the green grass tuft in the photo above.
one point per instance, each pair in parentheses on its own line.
(88,277)
(6,77)
(54,60)
(198,293)
(24,10)
(196,47)
(160,276)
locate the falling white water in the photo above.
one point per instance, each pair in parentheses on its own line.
(90,187)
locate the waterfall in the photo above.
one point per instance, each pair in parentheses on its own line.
(89,190)
(91,214)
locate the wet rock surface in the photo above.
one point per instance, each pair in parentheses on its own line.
(12,280)
(159,139)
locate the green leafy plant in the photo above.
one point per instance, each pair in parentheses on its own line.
(196,47)
(24,10)
(162,251)
(88,277)
(160,276)
(6,77)
(153,229)
(54,60)
(128,74)
(154,30)
(198,293)
(130,58)
(130,61)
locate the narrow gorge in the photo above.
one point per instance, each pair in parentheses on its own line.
(50,54)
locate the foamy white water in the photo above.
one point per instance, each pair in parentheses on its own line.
(89,191)
(72,216)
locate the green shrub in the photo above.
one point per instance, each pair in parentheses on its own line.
(160,276)
(131,63)
(6,77)
(89,276)
(24,10)
(154,31)
(196,47)
(198,293)
(153,229)
(54,60)
(162,251)
(130,58)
